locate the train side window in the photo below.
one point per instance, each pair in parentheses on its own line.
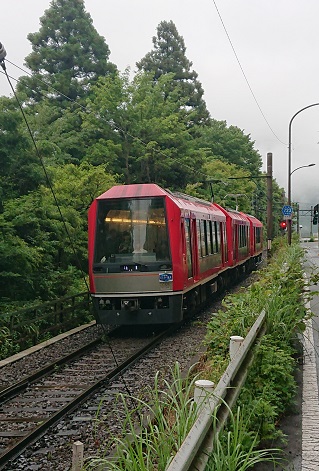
(188,240)
(217,236)
(199,245)
(225,241)
(257,235)
(204,238)
(209,238)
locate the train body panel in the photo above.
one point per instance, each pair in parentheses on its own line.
(154,254)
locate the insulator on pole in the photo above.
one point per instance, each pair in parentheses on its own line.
(3,52)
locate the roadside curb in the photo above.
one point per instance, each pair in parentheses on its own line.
(310,403)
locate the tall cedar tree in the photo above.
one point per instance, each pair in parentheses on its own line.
(67,54)
(168,56)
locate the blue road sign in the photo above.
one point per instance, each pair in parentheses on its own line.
(287,210)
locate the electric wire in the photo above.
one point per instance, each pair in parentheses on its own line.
(245,76)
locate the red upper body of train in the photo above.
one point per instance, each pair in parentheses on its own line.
(154,255)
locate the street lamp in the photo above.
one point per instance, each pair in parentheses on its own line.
(289,165)
(303,166)
(289,225)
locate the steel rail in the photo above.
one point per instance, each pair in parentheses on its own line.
(9,392)
(40,430)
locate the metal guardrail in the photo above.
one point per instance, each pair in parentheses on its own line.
(194,452)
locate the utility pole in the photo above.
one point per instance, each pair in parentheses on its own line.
(269,203)
(297,211)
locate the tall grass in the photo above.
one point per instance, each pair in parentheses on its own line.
(164,420)
(235,449)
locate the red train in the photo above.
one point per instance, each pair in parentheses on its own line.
(155,255)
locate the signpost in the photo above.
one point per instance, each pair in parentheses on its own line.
(287,211)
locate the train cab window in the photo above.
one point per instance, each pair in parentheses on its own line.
(131,230)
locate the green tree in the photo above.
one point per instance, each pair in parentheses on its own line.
(219,186)
(20,168)
(169,57)
(139,129)
(58,132)
(42,243)
(107,125)
(231,145)
(68,54)
(165,150)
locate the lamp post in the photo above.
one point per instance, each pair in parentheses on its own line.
(289,221)
(302,166)
(289,164)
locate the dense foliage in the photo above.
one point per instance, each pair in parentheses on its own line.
(94,126)
(270,389)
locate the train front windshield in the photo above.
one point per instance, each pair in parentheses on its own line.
(131,231)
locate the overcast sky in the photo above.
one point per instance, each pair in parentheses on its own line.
(276,42)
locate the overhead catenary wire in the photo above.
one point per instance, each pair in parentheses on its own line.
(245,76)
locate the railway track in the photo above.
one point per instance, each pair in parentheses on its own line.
(37,429)
(31,406)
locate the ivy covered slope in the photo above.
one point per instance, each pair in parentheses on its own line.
(270,389)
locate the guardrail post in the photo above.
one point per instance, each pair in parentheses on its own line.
(77,457)
(234,344)
(203,389)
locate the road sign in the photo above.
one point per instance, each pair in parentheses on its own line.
(287,210)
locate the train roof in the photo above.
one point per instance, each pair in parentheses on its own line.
(254,220)
(186,203)
(233,214)
(133,191)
